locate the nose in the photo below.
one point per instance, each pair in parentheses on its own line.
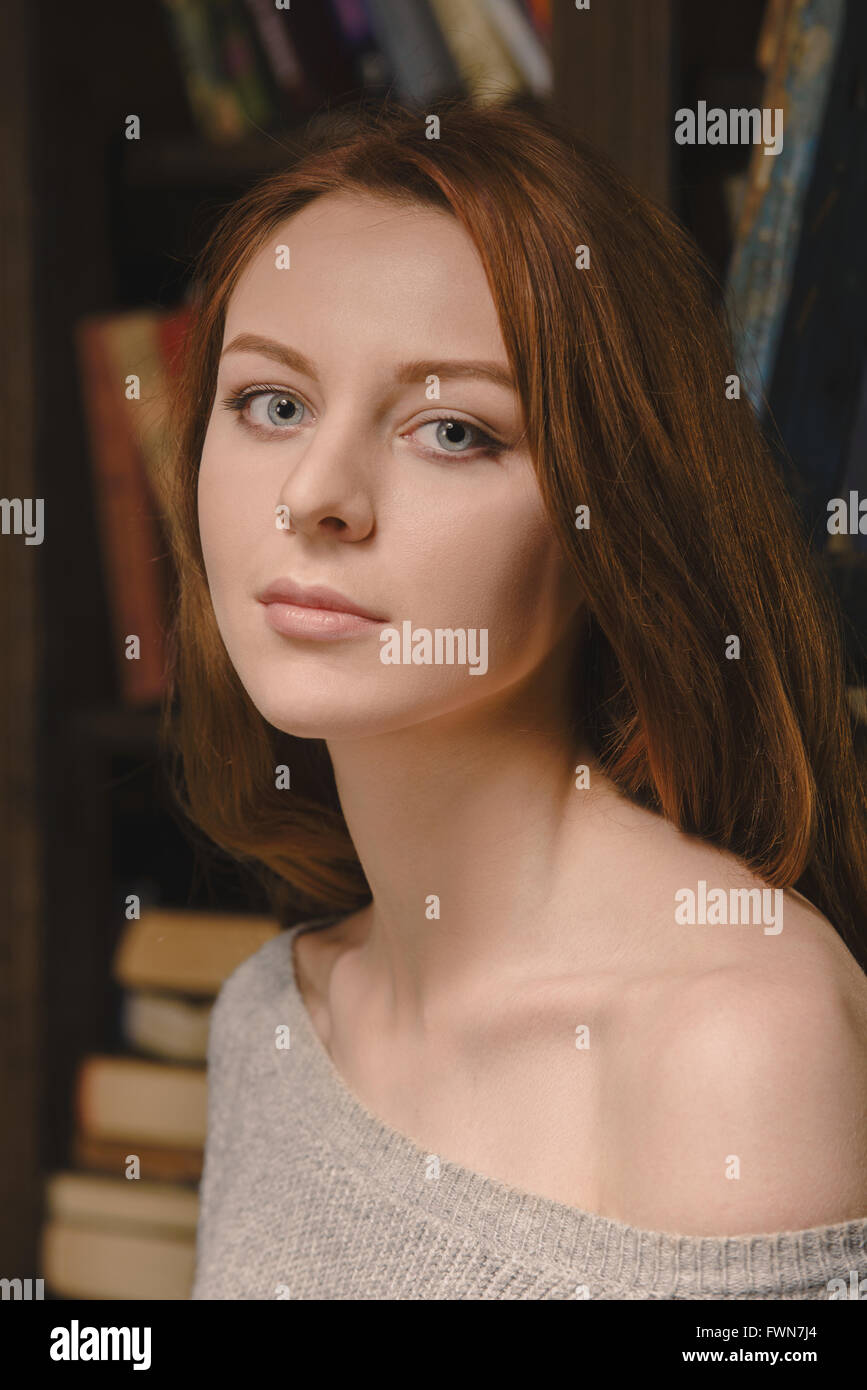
(327,484)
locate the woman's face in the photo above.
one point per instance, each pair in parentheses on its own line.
(347,471)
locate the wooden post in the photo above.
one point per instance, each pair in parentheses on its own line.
(613,68)
(20,903)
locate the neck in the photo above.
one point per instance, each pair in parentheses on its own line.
(486,863)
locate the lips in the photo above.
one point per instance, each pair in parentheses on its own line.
(317,596)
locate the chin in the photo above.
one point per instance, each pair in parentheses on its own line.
(343,709)
(332,728)
(316,710)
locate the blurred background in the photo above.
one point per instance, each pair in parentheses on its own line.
(124,131)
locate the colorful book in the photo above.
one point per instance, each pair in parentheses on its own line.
(127,439)
(278,46)
(815,385)
(214,101)
(134,347)
(526,49)
(408,33)
(373,70)
(483,59)
(771,33)
(133,549)
(242,65)
(760,274)
(539,12)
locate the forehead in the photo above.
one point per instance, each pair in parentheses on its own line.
(362,265)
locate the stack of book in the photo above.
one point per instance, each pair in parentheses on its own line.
(122,1223)
(253,64)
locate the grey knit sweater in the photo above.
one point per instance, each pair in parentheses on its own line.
(306,1195)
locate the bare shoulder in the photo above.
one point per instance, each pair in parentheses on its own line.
(745,1102)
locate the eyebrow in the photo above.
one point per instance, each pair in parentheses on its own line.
(407,373)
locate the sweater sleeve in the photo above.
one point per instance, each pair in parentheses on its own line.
(224,1068)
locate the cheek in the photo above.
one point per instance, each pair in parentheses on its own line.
(502,572)
(508,569)
(535,598)
(231,514)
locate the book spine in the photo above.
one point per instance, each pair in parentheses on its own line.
(276,44)
(157,1161)
(354,21)
(771,33)
(760,274)
(240,64)
(214,104)
(372,67)
(125,509)
(172,329)
(409,35)
(485,64)
(539,12)
(526,50)
(160,1103)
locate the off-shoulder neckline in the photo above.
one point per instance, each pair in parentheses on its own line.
(657,1263)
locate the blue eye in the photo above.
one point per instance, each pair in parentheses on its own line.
(280,407)
(283,410)
(453,434)
(459,436)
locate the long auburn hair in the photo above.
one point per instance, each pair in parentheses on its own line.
(622,370)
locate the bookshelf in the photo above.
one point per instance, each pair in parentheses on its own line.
(93,223)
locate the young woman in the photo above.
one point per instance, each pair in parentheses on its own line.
(498,646)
